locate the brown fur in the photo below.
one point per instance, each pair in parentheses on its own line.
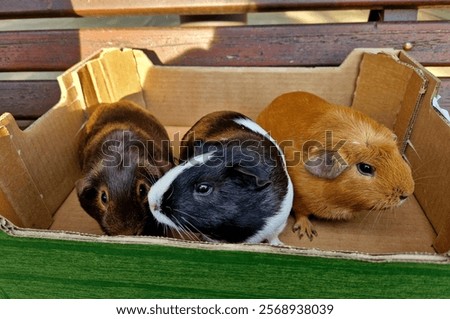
(124,171)
(299,122)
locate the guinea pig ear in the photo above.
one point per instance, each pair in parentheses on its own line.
(254,175)
(85,190)
(326,164)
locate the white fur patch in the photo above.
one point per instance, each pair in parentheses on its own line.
(158,190)
(163,219)
(275,224)
(255,127)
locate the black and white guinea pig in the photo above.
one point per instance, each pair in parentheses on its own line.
(232,184)
(123,150)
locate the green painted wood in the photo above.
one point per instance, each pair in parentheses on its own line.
(39,268)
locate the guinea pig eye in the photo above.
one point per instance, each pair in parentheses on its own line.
(203,188)
(365,169)
(142,190)
(104,197)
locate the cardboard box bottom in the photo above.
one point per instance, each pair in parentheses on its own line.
(372,237)
(404,229)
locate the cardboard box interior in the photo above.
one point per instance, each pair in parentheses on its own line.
(40,164)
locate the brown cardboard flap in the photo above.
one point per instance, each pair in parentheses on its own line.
(179,96)
(428,152)
(389,91)
(20,197)
(41,161)
(110,77)
(94,89)
(49,152)
(8,211)
(442,242)
(429,155)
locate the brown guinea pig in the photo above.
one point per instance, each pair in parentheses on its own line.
(123,150)
(340,160)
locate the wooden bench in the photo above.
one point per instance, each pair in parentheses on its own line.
(391,24)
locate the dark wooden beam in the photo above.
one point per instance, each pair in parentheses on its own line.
(27,100)
(296,45)
(73,8)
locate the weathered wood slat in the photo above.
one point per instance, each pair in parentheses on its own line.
(296,45)
(39,50)
(57,8)
(27,100)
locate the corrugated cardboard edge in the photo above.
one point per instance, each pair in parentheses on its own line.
(407,61)
(15,231)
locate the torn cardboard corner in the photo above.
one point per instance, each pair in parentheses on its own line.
(393,89)
(383,93)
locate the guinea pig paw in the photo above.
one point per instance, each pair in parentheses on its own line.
(303,227)
(276,242)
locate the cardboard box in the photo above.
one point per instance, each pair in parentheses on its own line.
(40,167)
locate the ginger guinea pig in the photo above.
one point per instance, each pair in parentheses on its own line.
(340,160)
(123,150)
(232,184)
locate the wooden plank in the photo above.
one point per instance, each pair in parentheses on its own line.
(57,8)
(294,45)
(39,50)
(27,100)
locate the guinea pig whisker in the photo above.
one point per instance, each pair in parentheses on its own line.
(183,213)
(393,211)
(179,231)
(197,230)
(171,193)
(383,210)
(187,232)
(183,229)
(380,212)
(413,148)
(186,227)
(421,178)
(422,165)
(377,209)
(149,178)
(191,228)
(368,212)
